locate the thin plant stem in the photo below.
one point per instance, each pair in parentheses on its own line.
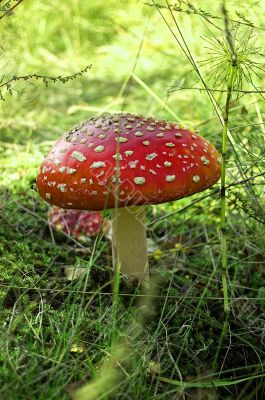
(115,303)
(230,87)
(223,333)
(223,190)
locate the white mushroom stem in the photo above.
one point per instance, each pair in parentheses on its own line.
(129,245)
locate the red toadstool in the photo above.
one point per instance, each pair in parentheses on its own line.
(122,162)
(76,223)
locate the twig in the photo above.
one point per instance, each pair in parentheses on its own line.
(11,9)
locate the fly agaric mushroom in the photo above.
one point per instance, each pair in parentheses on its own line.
(125,162)
(78,224)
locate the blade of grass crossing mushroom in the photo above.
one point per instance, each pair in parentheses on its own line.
(115,260)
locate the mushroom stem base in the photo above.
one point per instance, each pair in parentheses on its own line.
(129,247)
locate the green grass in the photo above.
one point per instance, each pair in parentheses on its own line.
(111,338)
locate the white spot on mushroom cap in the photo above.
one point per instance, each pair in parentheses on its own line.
(83,141)
(98,164)
(170,144)
(57,162)
(99,149)
(196,178)
(133,164)
(70,171)
(160,134)
(48,196)
(146,143)
(178,134)
(170,178)
(139,180)
(139,133)
(121,139)
(83,180)
(62,187)
(78,156)
(117,156)
(53,183)
(167,164)
(205,160)
(102,136)
(151,156)
(128,153)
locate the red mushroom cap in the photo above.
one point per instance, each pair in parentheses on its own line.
(74,222)
(139,160)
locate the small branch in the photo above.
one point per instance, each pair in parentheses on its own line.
(201,13)
(216,90)
(45,79)
(11,9)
